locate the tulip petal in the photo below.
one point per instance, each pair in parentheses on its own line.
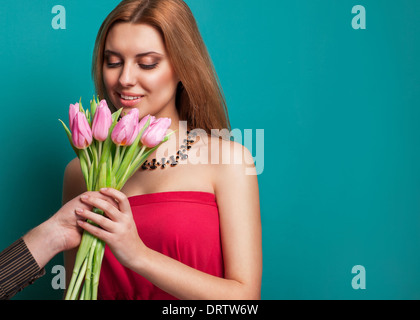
(129,155)
(156,132)
(102,121)
(106,151)
(81,132)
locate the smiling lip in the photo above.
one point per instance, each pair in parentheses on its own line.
(129,99)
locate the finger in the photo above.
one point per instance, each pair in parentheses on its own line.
(120,197)
(93,230)
(102,196)
(100,220)
(110,211)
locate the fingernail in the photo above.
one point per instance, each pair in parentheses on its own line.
(84,197)
(104,189)
(78,210)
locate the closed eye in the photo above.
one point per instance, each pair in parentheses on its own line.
(113,65)
(148,66)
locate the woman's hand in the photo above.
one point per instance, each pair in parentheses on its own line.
(117,228)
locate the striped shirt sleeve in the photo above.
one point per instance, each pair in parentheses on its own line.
(18,269)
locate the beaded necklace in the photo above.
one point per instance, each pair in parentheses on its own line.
(182,154)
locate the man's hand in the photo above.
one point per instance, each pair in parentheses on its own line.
(59,233)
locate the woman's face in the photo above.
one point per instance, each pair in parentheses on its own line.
(137,72)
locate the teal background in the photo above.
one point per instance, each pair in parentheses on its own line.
(340,113)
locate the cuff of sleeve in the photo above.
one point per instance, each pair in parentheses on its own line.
(18,269)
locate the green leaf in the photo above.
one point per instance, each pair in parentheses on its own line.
(139,160)
(80,105)
(92,174)
(93,106)
(88,117)
(102,176)
(117,159)
(115,116)
(109,176)
(69,136)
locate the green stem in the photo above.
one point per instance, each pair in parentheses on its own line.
(134,166)
(83,251)
(88,277)
(88,157)
(71,285)
(99,254)
(100,143)
(89,170)
(123,152)
(79,281)
(82,295)
(84,167)
(138,157)
(116,161)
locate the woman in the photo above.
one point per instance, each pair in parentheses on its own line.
(186,231)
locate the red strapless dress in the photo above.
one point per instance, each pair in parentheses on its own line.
(183,225)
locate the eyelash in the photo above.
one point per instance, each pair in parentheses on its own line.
(143,66)
(148,66)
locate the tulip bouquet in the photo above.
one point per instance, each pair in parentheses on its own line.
(110,149)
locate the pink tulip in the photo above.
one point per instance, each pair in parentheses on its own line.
(73,110)
(81,132)
(127,129)
(155,132)
(102,121)
(144,120)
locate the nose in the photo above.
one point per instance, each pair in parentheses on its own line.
(127,76)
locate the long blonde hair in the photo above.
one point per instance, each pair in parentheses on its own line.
(199,99)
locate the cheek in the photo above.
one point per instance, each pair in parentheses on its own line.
(163,84)
(110,78)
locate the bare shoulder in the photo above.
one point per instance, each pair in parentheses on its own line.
(234,173)
(231,158)
(74,183)
(227,164)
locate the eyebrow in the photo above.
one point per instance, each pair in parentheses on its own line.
(110,52)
